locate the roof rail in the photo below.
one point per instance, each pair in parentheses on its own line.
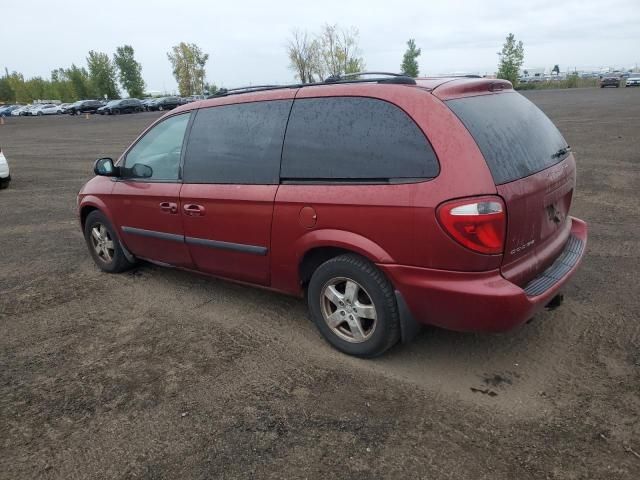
(249,88)
(456,76)
(394,78)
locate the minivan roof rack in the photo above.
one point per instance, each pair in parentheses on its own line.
(392,78)
(395,78)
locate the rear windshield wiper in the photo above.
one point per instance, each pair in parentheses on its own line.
(562,152)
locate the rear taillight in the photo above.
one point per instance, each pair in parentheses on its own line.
(478,223)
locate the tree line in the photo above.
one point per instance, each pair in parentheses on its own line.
(102,75)
(98,79)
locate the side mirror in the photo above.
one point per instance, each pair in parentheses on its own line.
(141,171)
(104,167)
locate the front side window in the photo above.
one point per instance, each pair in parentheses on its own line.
(160,149)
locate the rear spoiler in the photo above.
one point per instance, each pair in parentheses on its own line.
(470,87)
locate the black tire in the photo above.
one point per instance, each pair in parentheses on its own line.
(378,290)
(116,111)
(118,262)
(4,183)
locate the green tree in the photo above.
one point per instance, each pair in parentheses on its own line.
(102,75)
(129,71)
(79,81)
(304,56)
(188,62)
(410,60)
(17,84)
(6,92)
(339,51)
(556,69)
(511,59)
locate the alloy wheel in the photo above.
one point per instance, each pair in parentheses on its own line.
(348,310)
(102,242)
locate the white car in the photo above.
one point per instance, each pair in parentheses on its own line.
(5,175)
(633,80)
(48,109)
(20,111)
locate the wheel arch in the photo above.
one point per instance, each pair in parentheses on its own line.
(90,204)
(318,246)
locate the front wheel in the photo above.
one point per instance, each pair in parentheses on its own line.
(353,305)
(104,244)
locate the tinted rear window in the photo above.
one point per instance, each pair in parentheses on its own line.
(237,143)
(354,138)
(515,137)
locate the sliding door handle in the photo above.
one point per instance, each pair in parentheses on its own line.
(193,210)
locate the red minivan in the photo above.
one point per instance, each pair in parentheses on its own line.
(387,202)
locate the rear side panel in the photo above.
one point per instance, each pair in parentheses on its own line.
(534,174)
(390,224)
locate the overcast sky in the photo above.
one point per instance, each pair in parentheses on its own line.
(246,39)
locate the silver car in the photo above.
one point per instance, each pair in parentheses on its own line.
(633,80)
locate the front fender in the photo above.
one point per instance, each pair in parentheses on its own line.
(94,202)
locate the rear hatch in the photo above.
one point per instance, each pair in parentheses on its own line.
(534,173)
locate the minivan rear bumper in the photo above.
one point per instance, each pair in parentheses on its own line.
(480,301)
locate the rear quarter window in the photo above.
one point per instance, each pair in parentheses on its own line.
(515,137)
(354,138)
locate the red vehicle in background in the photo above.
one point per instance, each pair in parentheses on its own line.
(388,202)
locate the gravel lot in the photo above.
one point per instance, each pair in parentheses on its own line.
(159,373)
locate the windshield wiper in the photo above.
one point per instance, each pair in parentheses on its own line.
(562,152)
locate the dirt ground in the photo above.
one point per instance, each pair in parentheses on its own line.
(159,373)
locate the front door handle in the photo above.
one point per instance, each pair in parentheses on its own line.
(193,210)
(169,207)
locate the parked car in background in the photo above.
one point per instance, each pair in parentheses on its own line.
(48,109)
(384,205)
(610,81)
(6,110)
(164,103)
(29,110)
(23,111)
(146,102)
(633,80)
(62,108)
(5,174)
(84,106)
(193,98)
(125,105)
(18,111)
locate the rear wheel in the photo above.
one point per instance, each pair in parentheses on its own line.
(104,244)
(353,305)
